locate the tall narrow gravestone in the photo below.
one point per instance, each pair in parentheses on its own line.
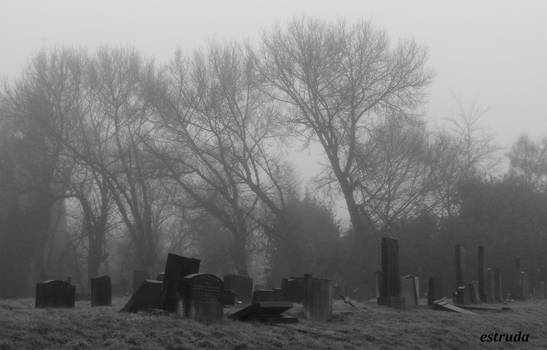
(434,290)
(201,298)
(139,276)
(176,268)
(55,293)
(242,286)
(498,286)
(391,283)
(101,291)
(318,298)
(409,290)
(482,274)
(459,258)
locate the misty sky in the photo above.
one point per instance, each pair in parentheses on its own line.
(493,53)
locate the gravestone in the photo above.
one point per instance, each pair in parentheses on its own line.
(55,293)
(379,284)
(408,291)
(267,311)
(482,274)
(242,286)
(228,297)
(391,282)
(434,290)
(267,295)
(201,298)
(490,286)
(462,296)
(474,292)
(498,286)
(147,296)
(176,268)
(318,298)
(101,291)
(293,289)
(459,259)
(524,285)
(139,276)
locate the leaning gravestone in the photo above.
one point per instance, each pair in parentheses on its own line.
(434,290)
(139,276)
(55,293)
(391,282)
(318,298)
(148,296)
(176,268)
(101,291)
(201,298)
(242,286)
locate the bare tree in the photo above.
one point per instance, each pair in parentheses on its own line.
(337,77)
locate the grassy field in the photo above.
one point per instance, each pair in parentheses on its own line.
(366,327)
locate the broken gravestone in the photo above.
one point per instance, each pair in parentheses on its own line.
(101,291)
(148,296)
(201,298)
(176,268)
(242,286)
(266,311)
(55,293)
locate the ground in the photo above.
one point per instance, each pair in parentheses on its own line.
(367,326)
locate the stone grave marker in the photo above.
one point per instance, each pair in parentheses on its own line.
(408,291)
(490,286)
(318,298)
(391,285)
(498,286)
(459,258)
(266,311)
(201,298)
(474,297)
(176,268)
(481,274)
(267,295)
(139,276)
(242,286)
(55,293)
(228,298)
(101,291)
(148,296)
(434,290)
(293,289)
(524,285)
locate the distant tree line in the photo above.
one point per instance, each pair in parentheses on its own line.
(127,159)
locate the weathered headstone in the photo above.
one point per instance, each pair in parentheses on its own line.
(201,298)
(242,286)
(267,295)
(139,276)
(462,296)
(228,297)
(293,289)
(498,286)
(408,291)
(176,268)
(101,291)
(267,311)
(147,296)
(481,266)
(474,292)
(391,285)
(55,293)
(434,290)
(459,258)
(318,298)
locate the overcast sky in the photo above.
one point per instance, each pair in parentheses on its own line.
(490,52)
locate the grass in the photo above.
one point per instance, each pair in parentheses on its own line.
(366,327)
